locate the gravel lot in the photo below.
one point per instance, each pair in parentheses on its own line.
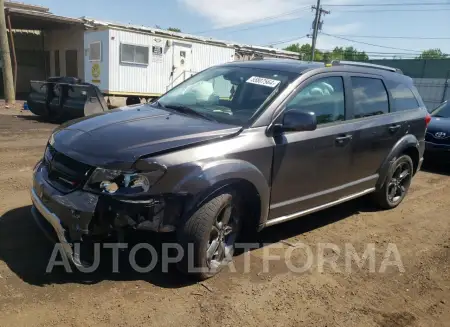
(418,296)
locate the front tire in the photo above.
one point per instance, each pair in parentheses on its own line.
(397,183)
(208,237)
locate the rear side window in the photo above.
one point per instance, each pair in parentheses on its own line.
(370,97)
(402,95)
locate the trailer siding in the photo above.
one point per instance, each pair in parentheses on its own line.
(161,72)
(102,77)
(205,55)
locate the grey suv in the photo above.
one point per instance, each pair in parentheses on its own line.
(240,146)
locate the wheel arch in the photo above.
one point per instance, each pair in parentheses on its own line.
(409,145)
(239,175)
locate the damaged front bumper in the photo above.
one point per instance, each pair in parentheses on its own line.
(78,215)
(41,213)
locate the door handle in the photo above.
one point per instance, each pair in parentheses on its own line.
(343,139)
(394,128)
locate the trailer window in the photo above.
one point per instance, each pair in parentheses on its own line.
(134,54)
(95,51)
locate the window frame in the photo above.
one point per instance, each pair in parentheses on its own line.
(394,107)
(352,99)
(278,114)
(100,53)
(134,54)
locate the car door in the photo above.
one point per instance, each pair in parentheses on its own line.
(376,126)
(310,168)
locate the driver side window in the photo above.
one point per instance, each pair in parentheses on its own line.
(324,97)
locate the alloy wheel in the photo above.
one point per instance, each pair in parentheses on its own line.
(222,238)
(399,183)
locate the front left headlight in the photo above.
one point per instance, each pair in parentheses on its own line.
(116,182)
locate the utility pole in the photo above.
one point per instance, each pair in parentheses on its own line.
(8,81)
(317,25)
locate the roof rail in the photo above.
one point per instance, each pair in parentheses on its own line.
(367,65)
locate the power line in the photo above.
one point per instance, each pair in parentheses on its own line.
(389,4)
(371,52)
(286,40)
(371,44)
(255,21)
(259,26)
(395,37)
(390,10)
(380,53)
(282,41)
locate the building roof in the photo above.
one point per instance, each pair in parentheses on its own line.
(21,5)
(38,20)
(92,23)
(31,17)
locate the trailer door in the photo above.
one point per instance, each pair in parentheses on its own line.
(182,62)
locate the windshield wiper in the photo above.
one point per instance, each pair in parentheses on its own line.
(186,110)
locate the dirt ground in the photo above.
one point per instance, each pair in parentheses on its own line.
(417,296)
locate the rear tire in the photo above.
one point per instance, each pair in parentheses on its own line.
(396,185)
(208,237)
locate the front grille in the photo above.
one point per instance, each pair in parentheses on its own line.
(431,137)
(65,173)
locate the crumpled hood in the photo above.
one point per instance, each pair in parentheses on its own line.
(117,138)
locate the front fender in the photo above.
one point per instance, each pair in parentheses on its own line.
(214,175)
(406,143)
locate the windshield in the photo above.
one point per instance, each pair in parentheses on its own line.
(442,111)
(228,94)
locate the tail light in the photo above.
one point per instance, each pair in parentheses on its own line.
(427,119)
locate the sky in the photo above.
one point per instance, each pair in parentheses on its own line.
(276,21)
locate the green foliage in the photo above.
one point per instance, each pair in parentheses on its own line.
(433,54)
(338,53)
(174,29)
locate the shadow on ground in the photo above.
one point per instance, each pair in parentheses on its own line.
(26,251)
(436,167)
(40,119)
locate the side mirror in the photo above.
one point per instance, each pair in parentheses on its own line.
(295,120)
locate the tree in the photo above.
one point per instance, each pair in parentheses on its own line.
(305,51)
(338,53)
(174,29)
(348,53)
(433,54)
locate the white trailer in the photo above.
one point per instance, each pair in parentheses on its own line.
(127,61)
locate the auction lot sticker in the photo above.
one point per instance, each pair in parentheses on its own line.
(263,81)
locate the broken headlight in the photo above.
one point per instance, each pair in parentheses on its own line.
(116,182)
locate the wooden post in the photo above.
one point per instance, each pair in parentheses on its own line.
(8,82)
(13,48)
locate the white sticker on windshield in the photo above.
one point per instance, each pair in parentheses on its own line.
(263,81)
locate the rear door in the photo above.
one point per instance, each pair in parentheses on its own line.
(37,99)
(377,127)
(311,168)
